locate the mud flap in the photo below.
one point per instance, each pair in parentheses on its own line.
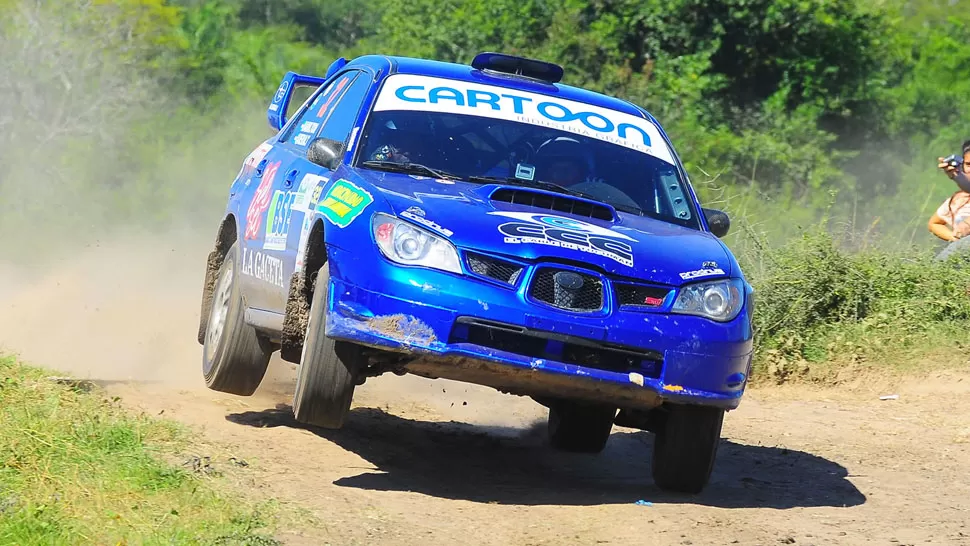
(296,318)
(650,421)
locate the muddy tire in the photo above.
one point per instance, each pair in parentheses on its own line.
(328,368)
(234,358)
(685,448)
(580,428)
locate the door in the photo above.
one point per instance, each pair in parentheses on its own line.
(290,198)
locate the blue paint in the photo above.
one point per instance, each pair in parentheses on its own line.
(709,360)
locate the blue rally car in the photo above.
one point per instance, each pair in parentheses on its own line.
(485,224)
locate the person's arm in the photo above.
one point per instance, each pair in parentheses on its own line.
(939,228)
(956,175)
(962,181)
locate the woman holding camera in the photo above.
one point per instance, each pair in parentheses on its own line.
(958,171)
(951,221)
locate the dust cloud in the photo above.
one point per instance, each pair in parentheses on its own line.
(120,310)
(127,310)
(108,209)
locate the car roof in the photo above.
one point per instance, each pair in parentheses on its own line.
(462,72)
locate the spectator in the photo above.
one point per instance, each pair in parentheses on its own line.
(961,174)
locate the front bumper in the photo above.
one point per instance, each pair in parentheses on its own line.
(462,329)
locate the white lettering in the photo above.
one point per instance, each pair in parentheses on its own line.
(302,139)
(701,273)
(263,267)
(430,94)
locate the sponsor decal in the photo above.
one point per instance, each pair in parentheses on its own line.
(309,127)
(302,139)
(329,97)
(344,202)
(274,107)
(278,220)
(254,216)
(706,272)
(422,195)
(281,92)
(430,94)
(353,139)
(416,214)
(544,229)
(525,171)
(263,267)
(307,197)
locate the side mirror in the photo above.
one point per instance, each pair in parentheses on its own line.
(325,152)
(718,221)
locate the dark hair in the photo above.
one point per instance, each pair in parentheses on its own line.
(966,147)
(953,215)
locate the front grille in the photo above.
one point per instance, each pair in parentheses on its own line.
(559,203)
(567,289)
(640,296)
(557,347)
(493,268)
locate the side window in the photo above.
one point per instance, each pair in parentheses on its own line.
(341,119)
(305,128)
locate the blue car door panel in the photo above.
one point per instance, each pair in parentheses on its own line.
(281,208)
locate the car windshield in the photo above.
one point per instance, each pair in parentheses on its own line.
(480,133)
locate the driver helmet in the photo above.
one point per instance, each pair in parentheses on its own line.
(397,144)
(564,160)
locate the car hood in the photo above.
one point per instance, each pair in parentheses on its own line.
(631,246)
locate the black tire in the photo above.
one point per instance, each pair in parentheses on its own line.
(328,368)
(580,428)
(685,448)
(234,358)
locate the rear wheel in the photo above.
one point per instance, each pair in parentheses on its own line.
(685,448)
(581,428)
(328,368)
(234,358)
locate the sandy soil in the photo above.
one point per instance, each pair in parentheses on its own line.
(438,462)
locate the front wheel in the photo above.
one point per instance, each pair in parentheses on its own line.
(580,428)
(234,358)
(685,448)
(328,368)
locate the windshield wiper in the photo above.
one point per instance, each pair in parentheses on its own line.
(630,209)
(411,168)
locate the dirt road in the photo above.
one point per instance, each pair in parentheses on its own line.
(436,462)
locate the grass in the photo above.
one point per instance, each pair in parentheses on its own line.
(822,311)
(75,468)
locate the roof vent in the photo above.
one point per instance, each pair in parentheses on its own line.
(558,203)
(518,66)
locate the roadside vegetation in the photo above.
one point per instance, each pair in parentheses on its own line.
(77,469)
(815,123)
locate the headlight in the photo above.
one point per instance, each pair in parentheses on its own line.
(717,300)
(408,244)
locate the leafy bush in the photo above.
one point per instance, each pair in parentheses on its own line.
(817,302)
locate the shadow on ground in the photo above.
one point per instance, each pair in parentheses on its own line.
(514,466)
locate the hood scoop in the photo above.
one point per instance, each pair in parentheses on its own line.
(558,202)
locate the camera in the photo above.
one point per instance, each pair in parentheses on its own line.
(954,161)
